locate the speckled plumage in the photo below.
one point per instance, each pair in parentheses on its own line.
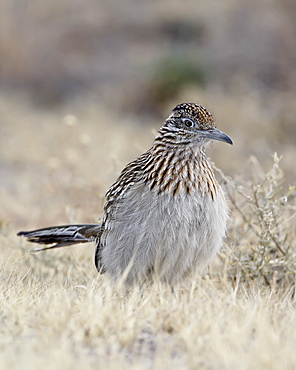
(166,215)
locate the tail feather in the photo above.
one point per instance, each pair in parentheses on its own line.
(62,236)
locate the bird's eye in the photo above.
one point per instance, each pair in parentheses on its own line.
(188,122)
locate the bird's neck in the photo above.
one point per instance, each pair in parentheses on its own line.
(180,169)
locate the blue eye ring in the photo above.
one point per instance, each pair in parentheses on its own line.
(188,122)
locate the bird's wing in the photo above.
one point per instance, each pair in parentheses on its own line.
(131,174)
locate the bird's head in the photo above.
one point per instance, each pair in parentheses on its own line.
(190,123)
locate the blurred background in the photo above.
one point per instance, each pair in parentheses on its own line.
(84,85)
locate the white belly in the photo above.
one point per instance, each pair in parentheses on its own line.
(170,236)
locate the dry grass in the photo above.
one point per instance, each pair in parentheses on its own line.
(56,312)
(67,317)
(56,165)
(262,243)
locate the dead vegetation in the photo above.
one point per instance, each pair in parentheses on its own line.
(95,73)
(56,311)
(261,245)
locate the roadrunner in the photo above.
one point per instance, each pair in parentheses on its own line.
(165,216)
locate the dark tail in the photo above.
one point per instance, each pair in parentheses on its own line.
(62,236)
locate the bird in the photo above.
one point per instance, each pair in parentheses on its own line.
(165,217)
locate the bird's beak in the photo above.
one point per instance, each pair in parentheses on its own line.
(215,134)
